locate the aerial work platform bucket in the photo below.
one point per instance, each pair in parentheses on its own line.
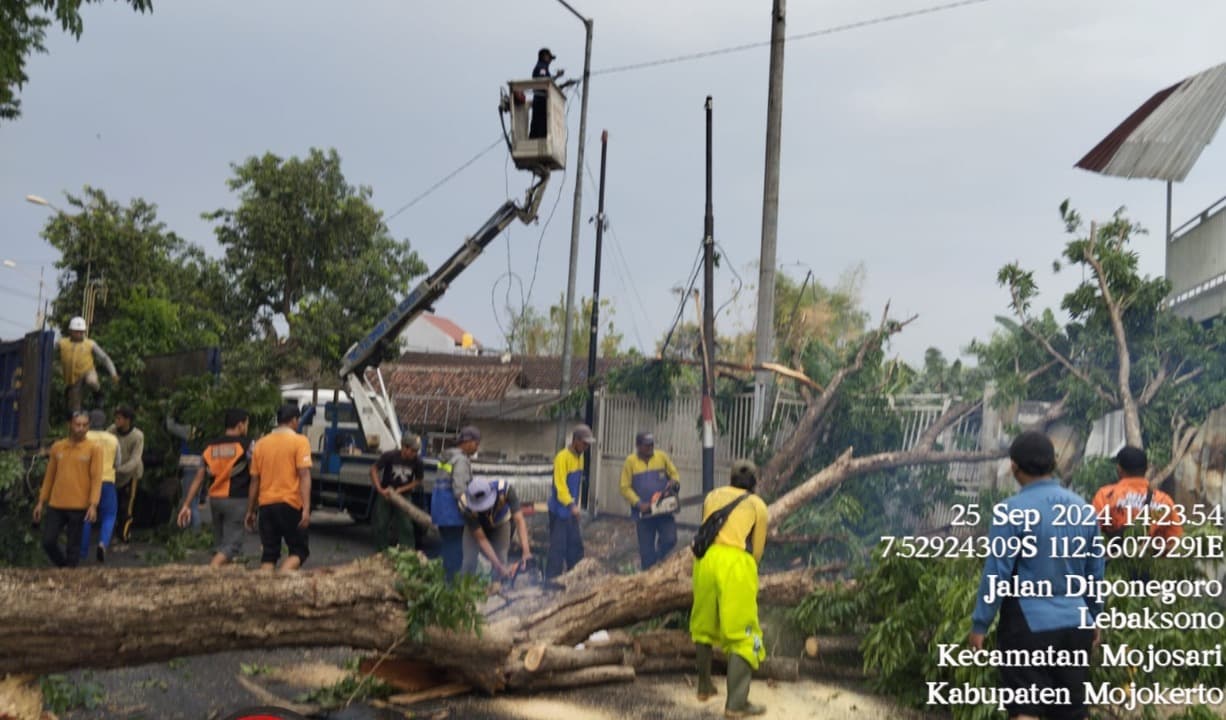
(538,124)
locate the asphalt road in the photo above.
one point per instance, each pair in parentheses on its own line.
(211,687)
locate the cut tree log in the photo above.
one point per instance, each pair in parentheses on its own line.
(599,675)
(419,517)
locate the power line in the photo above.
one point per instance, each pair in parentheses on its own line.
(425,193)
(880,20)
(540,240)
(685,296)
(21,293)
(628,272)
(740,284)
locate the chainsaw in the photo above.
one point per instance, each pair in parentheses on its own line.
(664,502)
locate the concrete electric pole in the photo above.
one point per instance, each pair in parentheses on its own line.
(764,340)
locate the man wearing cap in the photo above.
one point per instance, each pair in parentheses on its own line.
(1039,624)
(281,491)
(444,505)
(648,475)
(540,99)
(725,610)
(399,471)
(565,542)
(488,506)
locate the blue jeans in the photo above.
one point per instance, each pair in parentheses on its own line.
(108,508)
(451,549)
(657,538)
(565,544)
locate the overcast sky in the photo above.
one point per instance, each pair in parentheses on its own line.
(931,150)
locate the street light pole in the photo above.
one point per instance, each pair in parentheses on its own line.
(38,313)
(86,305)
(577,211)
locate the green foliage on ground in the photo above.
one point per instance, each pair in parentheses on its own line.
(172,545)
(62,694)
(354,687)
(903,608)
(430,602)
(20,479)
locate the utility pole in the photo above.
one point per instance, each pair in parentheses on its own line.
(577,211)
(764,339)
(708,329)
(590,416)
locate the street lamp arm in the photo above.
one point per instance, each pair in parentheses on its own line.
(575,12)
(40,200)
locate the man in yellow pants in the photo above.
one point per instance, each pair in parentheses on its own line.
(725,611)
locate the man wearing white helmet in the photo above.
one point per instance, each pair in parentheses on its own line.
(77,360)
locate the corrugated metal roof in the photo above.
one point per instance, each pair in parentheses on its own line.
(1164,137)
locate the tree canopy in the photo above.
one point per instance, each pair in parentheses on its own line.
(23,28)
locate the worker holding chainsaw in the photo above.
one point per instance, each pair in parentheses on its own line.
(650,483)
(488,508)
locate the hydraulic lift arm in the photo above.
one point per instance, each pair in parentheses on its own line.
(378,418)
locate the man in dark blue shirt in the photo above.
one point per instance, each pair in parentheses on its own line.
(1026,579)
(540,99)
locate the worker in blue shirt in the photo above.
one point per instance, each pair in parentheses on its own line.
(1025,580)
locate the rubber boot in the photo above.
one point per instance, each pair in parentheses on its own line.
(702,656)
(739,675)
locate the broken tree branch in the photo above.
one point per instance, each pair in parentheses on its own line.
(788,458)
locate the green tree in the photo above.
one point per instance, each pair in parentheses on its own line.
(806,312)
(117,250)
(1121,349)
(23,32)
(535,333)
(307,247)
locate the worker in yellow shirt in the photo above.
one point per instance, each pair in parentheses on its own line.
(647,476)
(70,492)
(725,610)
(565,542)
(77,354)
(108,501)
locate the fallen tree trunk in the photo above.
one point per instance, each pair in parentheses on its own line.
(53,620)
(56,620)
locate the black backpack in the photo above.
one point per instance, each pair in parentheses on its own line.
(707,532)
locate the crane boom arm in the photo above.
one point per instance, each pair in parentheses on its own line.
(367,351)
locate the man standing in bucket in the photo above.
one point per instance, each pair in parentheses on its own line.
(647,476)
(725,610)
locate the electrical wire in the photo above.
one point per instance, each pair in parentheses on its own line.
(740,284)
(628,272)
(880,20)
(20,293)
(427,192)
(685,296)
(536,266)
(14,323)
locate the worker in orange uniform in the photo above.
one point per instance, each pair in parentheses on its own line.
(1130,502)
(280,491)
